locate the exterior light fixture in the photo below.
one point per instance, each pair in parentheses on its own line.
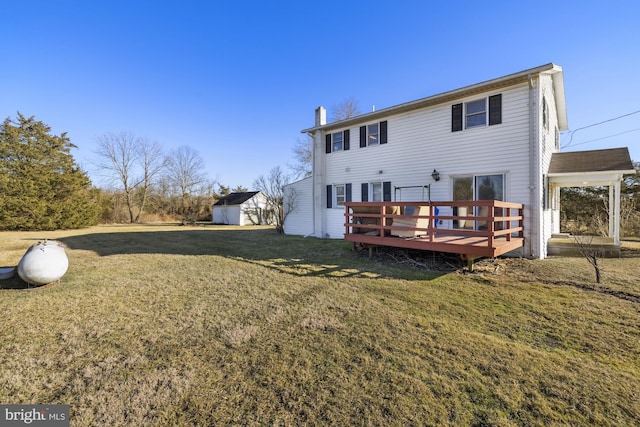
(435,175)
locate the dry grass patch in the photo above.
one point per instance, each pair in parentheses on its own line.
(164,325)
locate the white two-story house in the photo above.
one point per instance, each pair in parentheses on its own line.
(491,140)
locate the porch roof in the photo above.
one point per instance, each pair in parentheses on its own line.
(588,168)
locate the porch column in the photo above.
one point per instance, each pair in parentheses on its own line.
(613,212)
(616,230)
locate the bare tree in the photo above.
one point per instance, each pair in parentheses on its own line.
(591,252)
(117,157)
(187,179)
(303,153)
(151,160)
(344,110)
(185,170)
(272,187)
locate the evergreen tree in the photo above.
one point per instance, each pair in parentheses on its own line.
(41,186)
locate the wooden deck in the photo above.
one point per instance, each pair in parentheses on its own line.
(486,228)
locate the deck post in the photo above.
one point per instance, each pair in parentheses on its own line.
(470,259)
(432,222)
(491,225)
(509,213)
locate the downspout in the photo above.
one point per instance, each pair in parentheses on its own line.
(533,173)
(313,184)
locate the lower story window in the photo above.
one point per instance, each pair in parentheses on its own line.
(376,191)
(340,195)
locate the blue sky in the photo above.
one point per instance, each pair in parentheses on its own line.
(238,80)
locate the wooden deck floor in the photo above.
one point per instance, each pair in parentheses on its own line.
(499,230)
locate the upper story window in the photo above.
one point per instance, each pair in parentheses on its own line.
(476,114)
(373,134)
(337,141)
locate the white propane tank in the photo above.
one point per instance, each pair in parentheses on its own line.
(44,262)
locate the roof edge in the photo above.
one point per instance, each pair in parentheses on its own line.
(442,97)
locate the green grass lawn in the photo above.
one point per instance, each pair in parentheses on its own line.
(168,325)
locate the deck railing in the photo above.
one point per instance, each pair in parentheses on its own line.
(488,219)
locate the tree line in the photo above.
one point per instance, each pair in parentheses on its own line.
(43,188)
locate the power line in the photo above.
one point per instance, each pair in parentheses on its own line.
(605,137)
(596,124)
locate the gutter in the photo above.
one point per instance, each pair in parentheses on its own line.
(444,97)
(533,173)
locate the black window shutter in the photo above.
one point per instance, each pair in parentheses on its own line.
(327,140)
(364,192)
(495,109)
(383,132)
(456,117)
(345,139)
(329,196)
(347,192)
(386,191)
(363,136)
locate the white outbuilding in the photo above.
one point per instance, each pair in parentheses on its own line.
(242,208)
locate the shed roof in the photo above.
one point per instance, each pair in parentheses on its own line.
(611,159)
(235,198)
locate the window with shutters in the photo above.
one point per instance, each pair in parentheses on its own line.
(476,113)
(337,141)
(373,134)
(376,191)
(337,195)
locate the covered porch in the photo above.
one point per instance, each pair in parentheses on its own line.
(595,168)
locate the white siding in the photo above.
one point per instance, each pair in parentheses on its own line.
(253,211)
(421,141)
(299,204)
(229,215)
(547,138)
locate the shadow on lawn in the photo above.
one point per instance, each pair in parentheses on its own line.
(290,254)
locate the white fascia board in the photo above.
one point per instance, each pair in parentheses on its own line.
(585,179)
(501,82)
(561,102)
